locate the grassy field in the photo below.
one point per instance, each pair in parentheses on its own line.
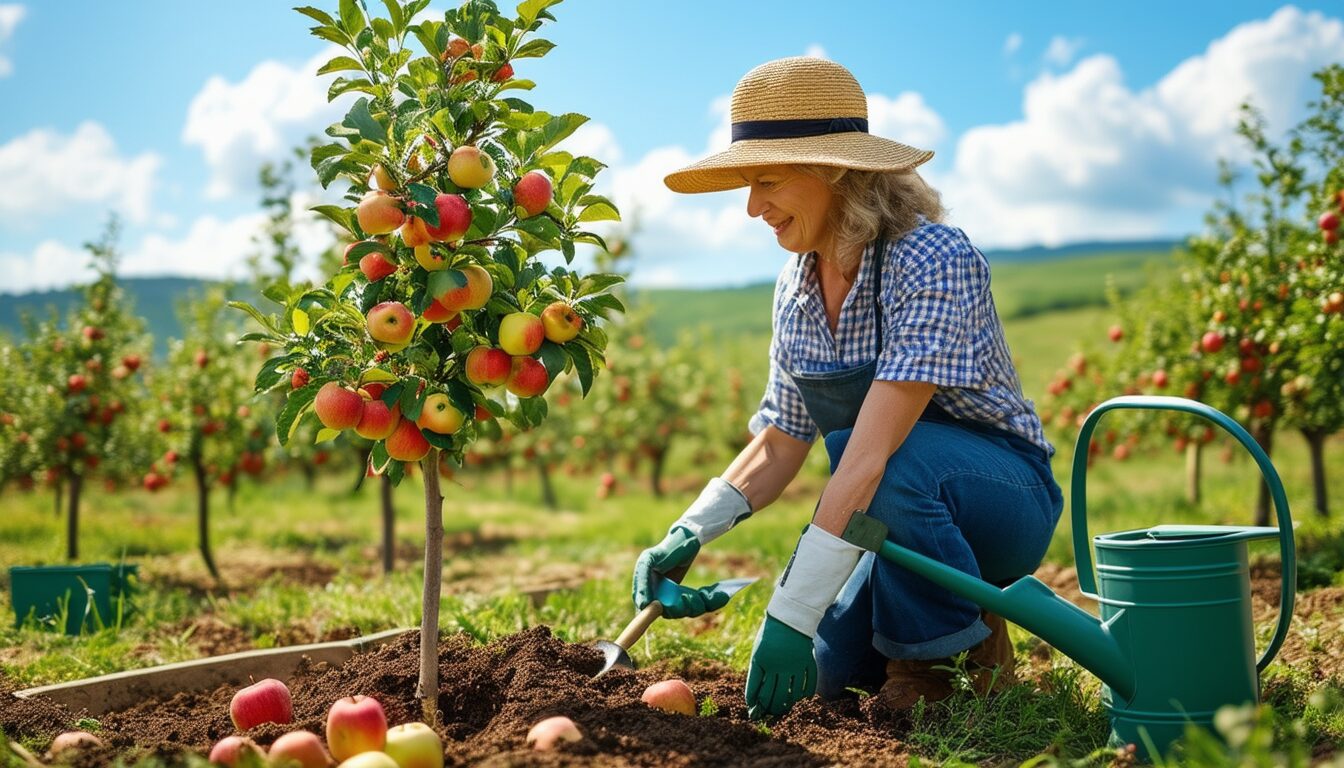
(300,565)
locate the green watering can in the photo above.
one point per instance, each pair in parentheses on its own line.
(1175,640)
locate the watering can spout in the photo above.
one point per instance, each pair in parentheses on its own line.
(1026,602)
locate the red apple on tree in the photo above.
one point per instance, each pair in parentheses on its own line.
(527,378)
(338,407)
(439,415)
(488,366)
(406,443)
(454,218)
(1115,333)
(521,333)
(376,420)
(470,168)
(561,322)
(376,266)
(533,192)
(391,324)
(379,213)
(1211,342)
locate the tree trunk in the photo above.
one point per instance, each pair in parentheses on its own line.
(427,689)
(58,506)
(203,517)
(1264,436)
(1316,442)
(508,478)
(309,474)
(389,526)
(72,519)
(1193,453)
(656,472)
(547,491)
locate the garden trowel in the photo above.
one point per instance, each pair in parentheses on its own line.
(618,653)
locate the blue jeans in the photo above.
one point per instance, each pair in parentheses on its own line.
(979,501)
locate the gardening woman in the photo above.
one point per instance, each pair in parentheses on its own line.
(886,344)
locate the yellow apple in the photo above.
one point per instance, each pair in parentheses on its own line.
(562,323)
(440,415)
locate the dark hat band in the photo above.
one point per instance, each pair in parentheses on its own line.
(795,129)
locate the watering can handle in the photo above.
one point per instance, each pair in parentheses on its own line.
(1082,549)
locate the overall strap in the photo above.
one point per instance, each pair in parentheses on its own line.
(879,253)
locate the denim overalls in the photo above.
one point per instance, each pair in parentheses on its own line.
(975,497)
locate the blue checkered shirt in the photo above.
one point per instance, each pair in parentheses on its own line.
(939,326)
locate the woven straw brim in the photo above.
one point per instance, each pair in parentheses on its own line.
(859,151)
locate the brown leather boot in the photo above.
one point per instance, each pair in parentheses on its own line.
(908,680)
(994,651)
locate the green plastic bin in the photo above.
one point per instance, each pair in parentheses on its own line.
(44,593)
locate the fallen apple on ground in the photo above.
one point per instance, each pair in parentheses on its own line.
(670,696)
(72,740)
(356,724)
(299,748)
(369,760)
(267,701)
(414,745)
(547,734)
(237,752)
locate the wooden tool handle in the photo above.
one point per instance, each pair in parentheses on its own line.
(638,625)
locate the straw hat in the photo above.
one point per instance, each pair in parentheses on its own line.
(798,110)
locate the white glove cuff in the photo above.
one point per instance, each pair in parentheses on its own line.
(820,566)
(719,507)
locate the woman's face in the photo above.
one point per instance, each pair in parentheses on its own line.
(794,204)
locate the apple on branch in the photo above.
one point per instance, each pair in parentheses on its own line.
(561,322)
(392,325)
(470,168)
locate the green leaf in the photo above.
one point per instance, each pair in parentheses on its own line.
(342,216)
(298,403)
(326,433)
(270,374)
(299,320)
(596,283)
(398,18)
(365,247)
(344,85)
(332,35)
(553,357)
(422,193)
(592,239)
(321,17)
(534,48)
(583,365)
(427,32)
(597,208)
(442,442)
(529,11)
(352,17)
(396,472)
(378,458)
(341,64)
(600,303)
(411,399)
(559,128)
(363,121)
(541,227)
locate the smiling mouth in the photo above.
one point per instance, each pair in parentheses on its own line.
(783,225)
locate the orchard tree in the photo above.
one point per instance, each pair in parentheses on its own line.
(454,191)
(84,386)
(207,425)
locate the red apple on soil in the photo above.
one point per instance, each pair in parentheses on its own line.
(338,407)
(267,701)
(414,745)
(406,444)
(301,749)
(521,333)
(379,213)
(237,752)
(533,192)
(391,324)
(454,218)
(376,266)
(547,734)
(527,377)
(561,322)
(377,420)
(356,723)
(439,415)
(77,740)
(670,696)
(488,366)
(470,168)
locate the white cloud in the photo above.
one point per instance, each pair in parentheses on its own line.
(906,118)
(10,16)
(815,51)
(1062,50)
(1012,43)
(1093,159)
(593,140)
(240,125)
(51,265)
(47,174)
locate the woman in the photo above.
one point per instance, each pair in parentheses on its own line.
(886,342)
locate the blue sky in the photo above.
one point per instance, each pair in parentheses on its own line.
(1053,122)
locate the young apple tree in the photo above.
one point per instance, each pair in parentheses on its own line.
(454,190)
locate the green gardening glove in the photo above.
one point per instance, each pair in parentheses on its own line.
(782,670)
(674,553)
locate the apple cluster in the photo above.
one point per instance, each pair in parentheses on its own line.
(1329,221)
(357,735)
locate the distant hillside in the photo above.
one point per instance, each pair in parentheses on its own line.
(1026,282)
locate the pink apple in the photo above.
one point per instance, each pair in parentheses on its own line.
(391,324)
(237,752)
(521,333)
(299,748)
(379,213)
(488,366)
(376,266)
(533,192)
(454,218)
(527,377)
(265,702)
(547,734)
(414,745)
(407,442)
(77,740)
(356,724)
(670,696)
